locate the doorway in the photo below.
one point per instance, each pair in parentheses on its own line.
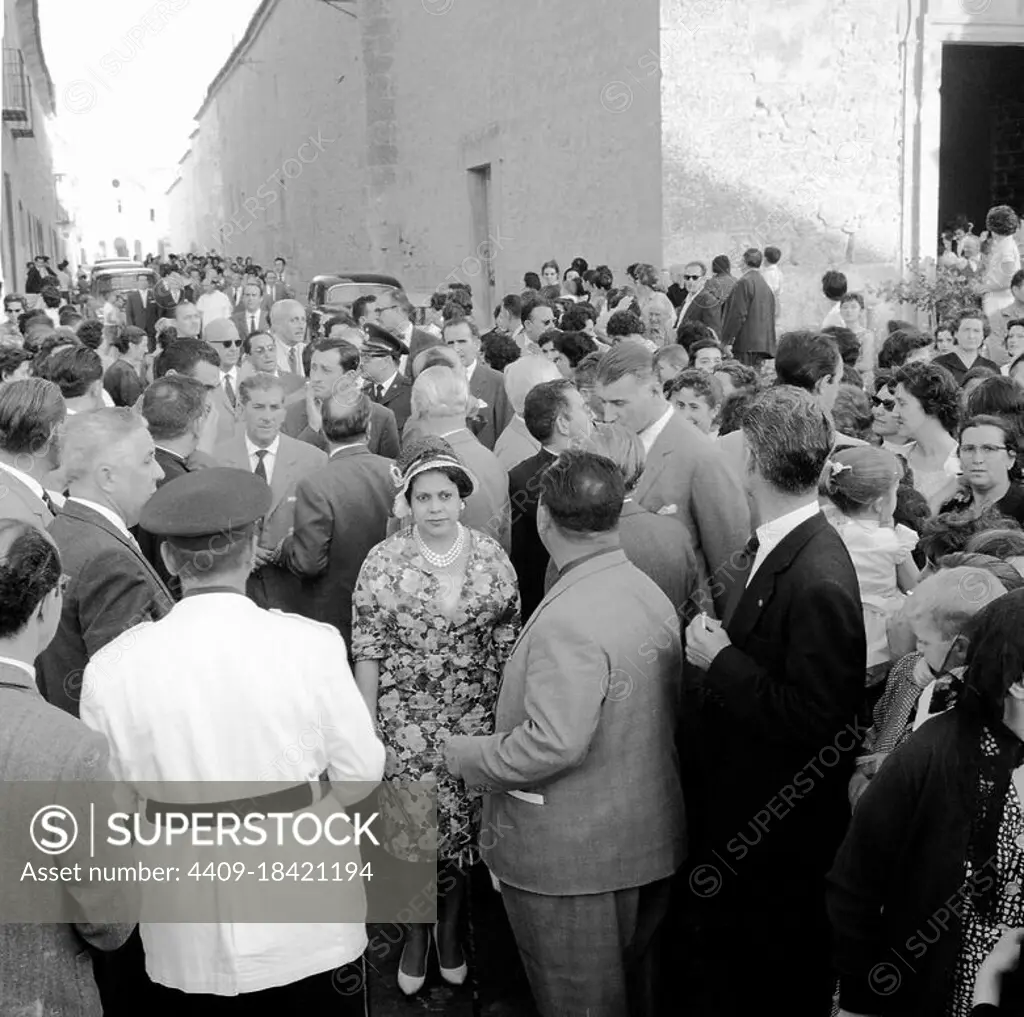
(981,148)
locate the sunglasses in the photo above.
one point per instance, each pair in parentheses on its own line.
(691,278)
(230,342)
(889,404)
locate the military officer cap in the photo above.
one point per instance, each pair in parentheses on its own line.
(207,506)
(380,342)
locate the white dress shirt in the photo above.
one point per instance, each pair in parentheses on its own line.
(284,357)
(470,370)
(268,460)
(21,666)
(772,533)
(386,385)
(108,513)
(213,306)
(650,434)
(30,482)
(274,701)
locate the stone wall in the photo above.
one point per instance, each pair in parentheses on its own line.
(782,124)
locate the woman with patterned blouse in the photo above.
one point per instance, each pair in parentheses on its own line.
(931,873)
(435,613)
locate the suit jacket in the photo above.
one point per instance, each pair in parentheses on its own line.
(291,383)
(398,399)
(685,477)
(515,444)
(18,502)
(418,342)
(272,294)
(166,303)
(341,512)
(529,556)
(241,319)
(382,436)
(274,585)
(749,325)
(142,317)
(706,308)
(229,418)
(487,508)
(173,466)
(45,968)
(589,674)
(489,385)
(784,693)
(112,589)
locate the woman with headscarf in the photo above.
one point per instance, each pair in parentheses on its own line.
(434,615)
(932,869)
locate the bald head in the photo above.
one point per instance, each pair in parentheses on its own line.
(222,335)
(288,321)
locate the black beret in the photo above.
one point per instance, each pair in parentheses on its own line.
(215,502)
(380,340)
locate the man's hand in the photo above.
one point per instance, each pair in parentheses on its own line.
(1004,958)
(705,640)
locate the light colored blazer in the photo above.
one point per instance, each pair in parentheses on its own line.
(18,502)
(687,477)
(295,459)
(45,968)
(515,444)
(590,674)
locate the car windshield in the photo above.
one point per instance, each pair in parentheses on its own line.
(346,293)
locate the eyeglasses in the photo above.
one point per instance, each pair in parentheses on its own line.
(969,451)
(381,310)
(229,342)
(889,404)
(691,277)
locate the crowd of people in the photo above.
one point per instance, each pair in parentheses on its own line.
(707,641)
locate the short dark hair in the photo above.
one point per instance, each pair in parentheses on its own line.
(31,409)
(705,344)
(601,277)
(624,323)
(348,353)
(345,415)
(545,403)
(74,370)
(733,410)
(772,255)
(853,298)
(999,396)
(499,351)
(833,284)
(30,570)
(690,332)
(360,304)
(11,358)
(752,257)
(1017,280)
(171,405)
(261,381)
(339,319)
(530,304)
(949,532)
(742,375)
(804,357)
(966,314)
(126,336)
(576,317)
(899,345)
(182,355)
(935,388)
(531,281)
(583,492)
(700,383)
(847,341)
(721,265)
(789,437)
(513,304)
(574,346)
(91,333)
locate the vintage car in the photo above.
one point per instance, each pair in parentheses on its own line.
(336,292)
(122,276)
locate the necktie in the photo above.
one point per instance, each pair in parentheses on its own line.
(261,468)
(378,393)
(743,564)
(48,502)
(252,323)
(293,360)
(229,391)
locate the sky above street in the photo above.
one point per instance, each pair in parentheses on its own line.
(130,75)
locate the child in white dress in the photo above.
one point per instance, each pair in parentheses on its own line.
(861,486)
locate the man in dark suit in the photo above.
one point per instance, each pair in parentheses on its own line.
(749,321)
(341,512)
(485,383)
(393,311)
(770,732)
(685,476)
(559,419)
(251,316)
(108,461)
(382,353)
(171,292)
(174,407)
(333,368)
(141,309)
(31,413)
(44,967)
(703,302)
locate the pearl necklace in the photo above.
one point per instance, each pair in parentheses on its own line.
(441,561)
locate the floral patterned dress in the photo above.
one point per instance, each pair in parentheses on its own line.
(439,676)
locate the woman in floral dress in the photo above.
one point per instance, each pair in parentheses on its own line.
(435,613)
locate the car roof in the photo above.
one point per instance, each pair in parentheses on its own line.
(333,278)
